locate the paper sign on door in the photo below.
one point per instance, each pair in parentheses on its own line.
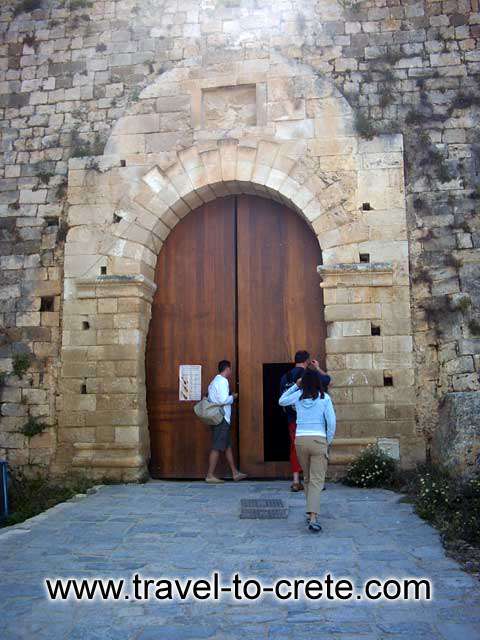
(190,382)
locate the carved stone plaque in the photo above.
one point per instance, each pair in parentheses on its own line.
(227,107)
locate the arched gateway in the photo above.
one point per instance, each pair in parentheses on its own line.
(237,279)
(196,135)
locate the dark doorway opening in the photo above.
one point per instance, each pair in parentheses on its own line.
(276,443)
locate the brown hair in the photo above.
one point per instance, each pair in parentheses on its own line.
(312,384)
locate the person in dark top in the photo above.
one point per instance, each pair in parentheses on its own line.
(302,361)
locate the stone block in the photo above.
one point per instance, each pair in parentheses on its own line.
(106,336)
(456,442)
(466,382)
(362,395)
(360,344)
(396,344)
(80,338)
(295,129)
(104,434)
(12,440)
(13,410)
(396,326)
(76,434)
(142,123)
(127,434)
(50,319)
(357,378)
(79,369)
(352,312)
(116,402)
(395,310)
(400,412)
(90,214)
(355,328)
(127,368)
(340,395)
(392,360)
(31,319)
(336,361)
(462,364)
(10,395)
(34,396)
(33,197)
(118,417)
(361,412)
(359,361)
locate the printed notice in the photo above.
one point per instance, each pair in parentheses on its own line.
(190,382)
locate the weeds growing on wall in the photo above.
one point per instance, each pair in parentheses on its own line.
(33,427)
(363,126)
(26,6)
(82,148)
(474,326)
(20,364)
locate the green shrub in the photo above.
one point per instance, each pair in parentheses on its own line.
(30,496)
(433,493)
(450,504)
(462,519)
(372,468)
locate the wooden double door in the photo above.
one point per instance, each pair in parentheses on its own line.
(236,280)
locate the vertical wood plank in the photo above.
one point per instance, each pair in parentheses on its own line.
(280,310)
(193,322)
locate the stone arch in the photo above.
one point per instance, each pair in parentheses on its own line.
(287,135)
(149,201)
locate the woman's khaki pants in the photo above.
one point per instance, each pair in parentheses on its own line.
(313,456)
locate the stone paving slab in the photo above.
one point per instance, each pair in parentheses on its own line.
(181,529)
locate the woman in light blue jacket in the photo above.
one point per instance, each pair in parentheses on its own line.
(315,431)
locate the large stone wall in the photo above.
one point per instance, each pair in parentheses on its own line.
(71,70)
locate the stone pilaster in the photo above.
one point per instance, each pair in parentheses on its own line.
(103,423)
(369,356)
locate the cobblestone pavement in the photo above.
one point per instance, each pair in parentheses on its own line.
(191,529)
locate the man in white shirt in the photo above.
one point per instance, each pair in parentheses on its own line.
(219,393)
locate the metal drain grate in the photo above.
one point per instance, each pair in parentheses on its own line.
(263,508)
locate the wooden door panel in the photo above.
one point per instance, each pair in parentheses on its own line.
(280,310)
(193,322)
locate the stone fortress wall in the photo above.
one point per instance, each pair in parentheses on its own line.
(119,117)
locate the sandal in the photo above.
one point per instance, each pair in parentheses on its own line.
(239,476)
(296,486)
(214,480)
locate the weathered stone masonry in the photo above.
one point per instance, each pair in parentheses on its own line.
(117,119)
